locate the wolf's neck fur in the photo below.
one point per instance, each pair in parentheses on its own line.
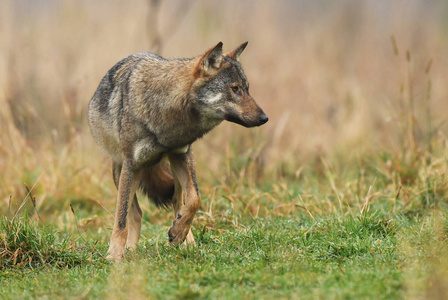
(167,105)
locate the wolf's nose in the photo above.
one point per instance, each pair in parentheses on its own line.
(263,119)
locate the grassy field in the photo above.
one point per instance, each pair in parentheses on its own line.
(267,257)
(334,235)
(343,194)
(373,256)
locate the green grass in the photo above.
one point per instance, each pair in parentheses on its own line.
(333,257)
(344,229)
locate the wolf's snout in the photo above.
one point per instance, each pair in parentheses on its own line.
(263,119)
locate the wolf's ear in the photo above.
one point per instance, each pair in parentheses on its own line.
(211,60)
(235,53)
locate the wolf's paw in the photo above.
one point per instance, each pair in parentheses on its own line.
(178,232)
(176,237)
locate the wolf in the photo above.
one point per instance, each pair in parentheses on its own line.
(146,113)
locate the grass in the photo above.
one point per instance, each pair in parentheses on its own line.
(351,254)
(273,257)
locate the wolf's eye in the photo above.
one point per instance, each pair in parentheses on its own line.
(235,89)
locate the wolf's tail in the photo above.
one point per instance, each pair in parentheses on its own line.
(157,183)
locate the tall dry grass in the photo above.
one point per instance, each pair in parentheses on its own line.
(347,78)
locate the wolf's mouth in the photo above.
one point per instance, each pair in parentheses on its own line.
(261,120)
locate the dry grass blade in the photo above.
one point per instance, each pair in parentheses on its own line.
(27,196)
(81,235)
(365,207)
(33,200)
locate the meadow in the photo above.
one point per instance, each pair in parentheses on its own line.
(341,195)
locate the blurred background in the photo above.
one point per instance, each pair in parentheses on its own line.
(341,79)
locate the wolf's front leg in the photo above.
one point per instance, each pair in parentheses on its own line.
(186,198)
(127,187)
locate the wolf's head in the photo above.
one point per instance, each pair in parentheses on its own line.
(222,91)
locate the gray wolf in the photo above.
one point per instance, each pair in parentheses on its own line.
(146,113)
